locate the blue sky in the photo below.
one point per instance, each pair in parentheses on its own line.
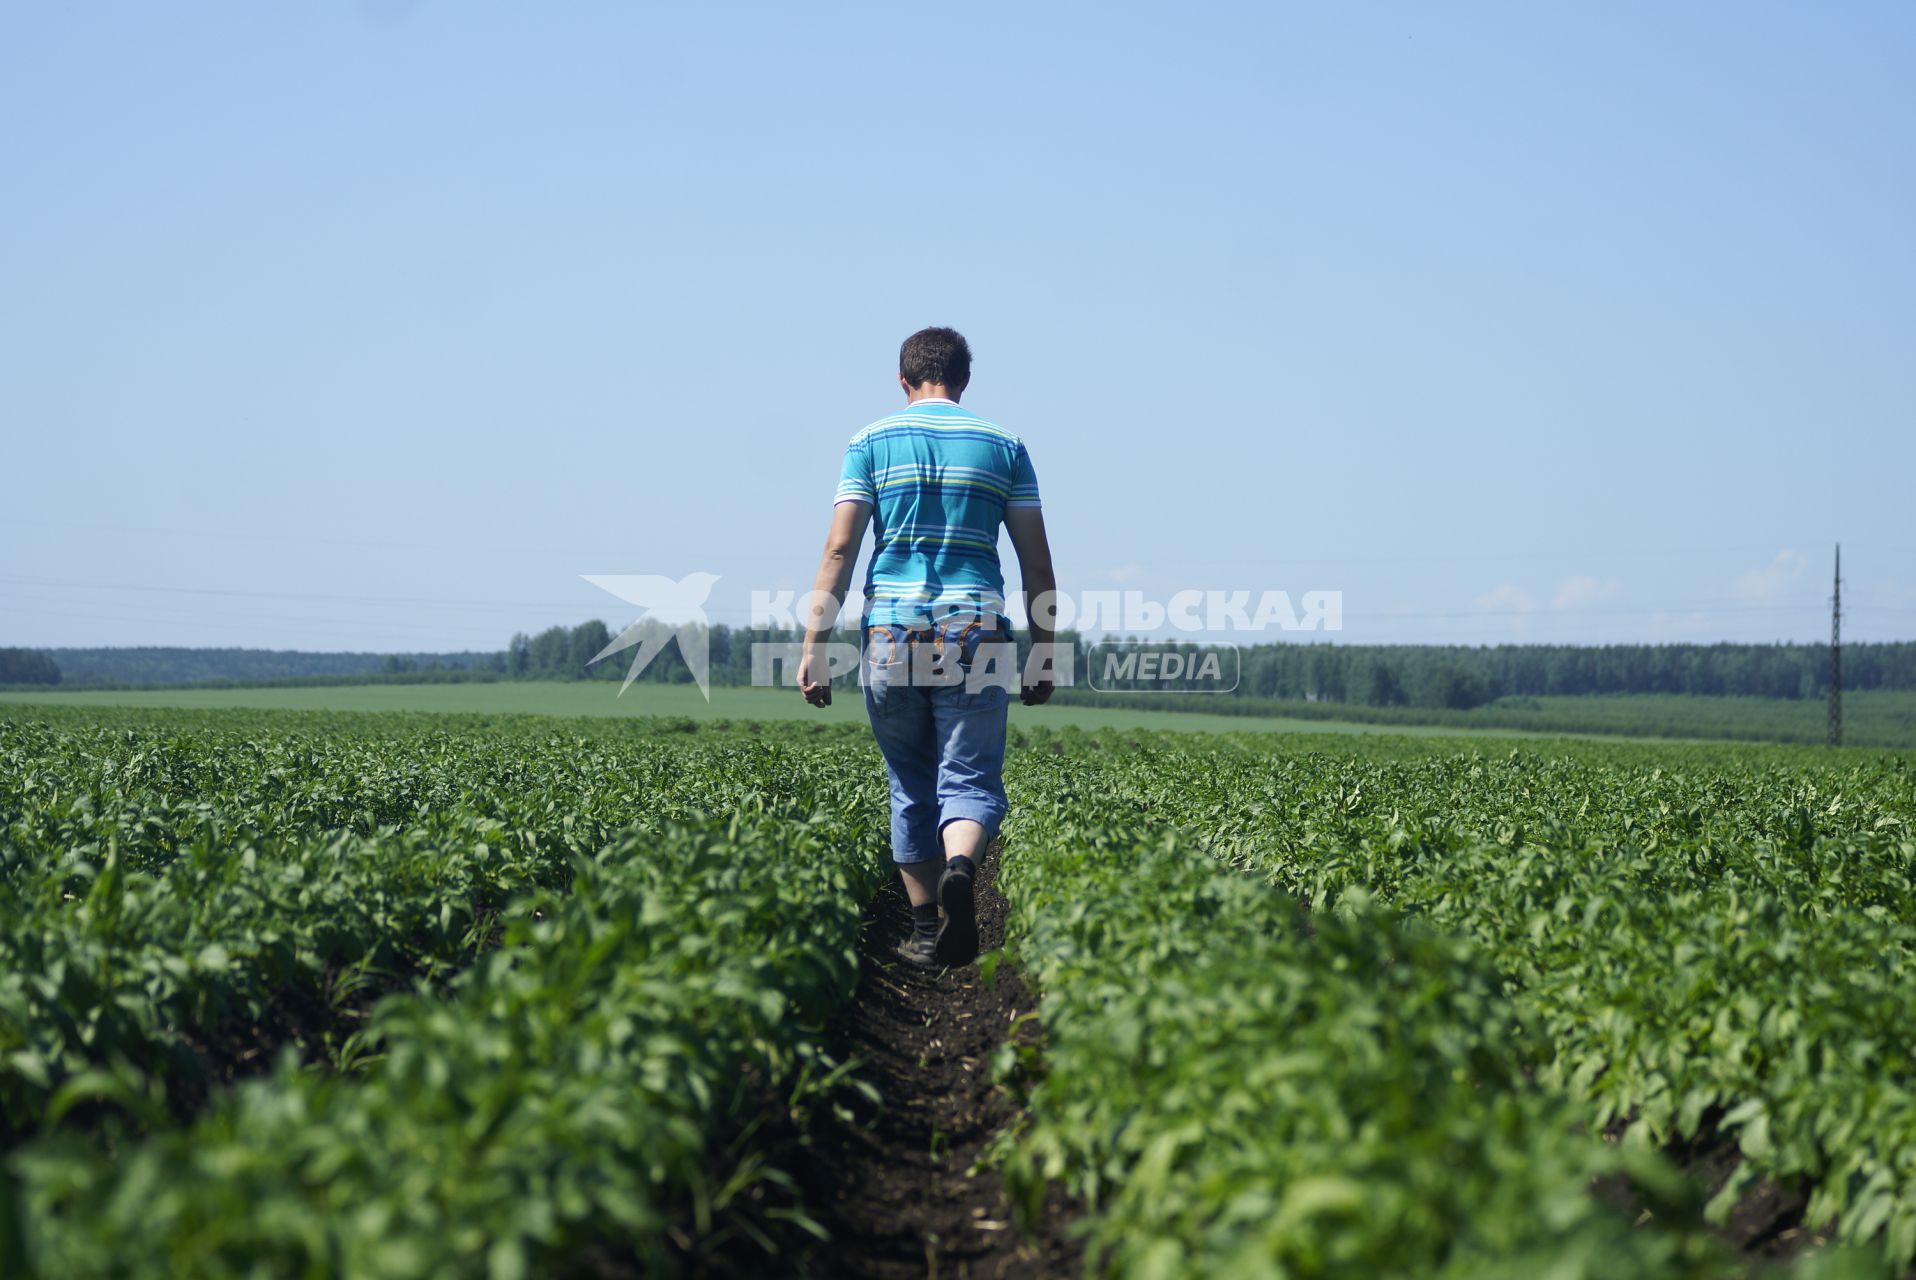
(332,325)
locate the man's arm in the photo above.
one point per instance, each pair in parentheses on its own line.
(1026,526)
(828,596)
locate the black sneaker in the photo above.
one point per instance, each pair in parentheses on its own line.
(917,951)
(958,935)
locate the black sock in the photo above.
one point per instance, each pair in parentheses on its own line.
(961,865)
(924,921)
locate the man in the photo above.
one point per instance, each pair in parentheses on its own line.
(935,482)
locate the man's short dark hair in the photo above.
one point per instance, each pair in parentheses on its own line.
(939,356)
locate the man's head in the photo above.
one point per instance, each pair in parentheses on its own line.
(935,358)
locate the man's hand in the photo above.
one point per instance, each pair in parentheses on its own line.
(1038,693)
(817,691)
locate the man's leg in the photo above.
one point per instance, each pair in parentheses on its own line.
(902,725)
(964,838)
(912,766)
(901,721)
(970,728)
(913,773)
(961,838)
(921,880)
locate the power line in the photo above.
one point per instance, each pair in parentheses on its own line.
(374,628)
(243,593)
(160,614)
(369,544)
(705,555)
(1613,553)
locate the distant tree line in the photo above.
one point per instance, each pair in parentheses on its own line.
(27,666)
(1461,677)
(566,653)
(1457,677)
(151,664)
(1453,676)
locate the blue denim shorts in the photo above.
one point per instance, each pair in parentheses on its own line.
(938,697)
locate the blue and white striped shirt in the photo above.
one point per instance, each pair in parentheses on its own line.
(938,479)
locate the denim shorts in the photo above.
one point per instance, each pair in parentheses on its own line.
(938,698)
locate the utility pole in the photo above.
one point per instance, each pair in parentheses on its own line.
(1836,653)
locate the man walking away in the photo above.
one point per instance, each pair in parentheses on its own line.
(935,482)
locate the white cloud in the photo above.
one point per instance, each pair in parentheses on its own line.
(1507,598)
(1576,592)
(1125,572)
(1774,578)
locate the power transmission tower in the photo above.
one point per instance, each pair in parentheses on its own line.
(1836,654)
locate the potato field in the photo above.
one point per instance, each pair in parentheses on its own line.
(387,995)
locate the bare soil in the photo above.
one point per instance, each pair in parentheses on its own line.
(896,1183)
(1765,1225)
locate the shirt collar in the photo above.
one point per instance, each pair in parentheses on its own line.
(931,400)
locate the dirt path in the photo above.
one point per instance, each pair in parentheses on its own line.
(894,1185)
(1765,1224)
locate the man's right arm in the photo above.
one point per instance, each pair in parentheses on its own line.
(835,564)
(1026,527)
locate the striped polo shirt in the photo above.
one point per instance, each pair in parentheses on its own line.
(938,479)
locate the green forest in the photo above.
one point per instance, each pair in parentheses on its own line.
(1447,677)
(155,665)
(25,666)
(1452,677)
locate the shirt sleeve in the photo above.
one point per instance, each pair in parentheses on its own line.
(1024,481)
(855,477)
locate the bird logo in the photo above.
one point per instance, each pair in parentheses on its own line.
(673,610)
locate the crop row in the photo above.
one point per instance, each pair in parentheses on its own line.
(1721,945)
(174,908)
(631,986)
(1237,1090)
(587,1090)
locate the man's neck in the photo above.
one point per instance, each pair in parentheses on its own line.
(930,391)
